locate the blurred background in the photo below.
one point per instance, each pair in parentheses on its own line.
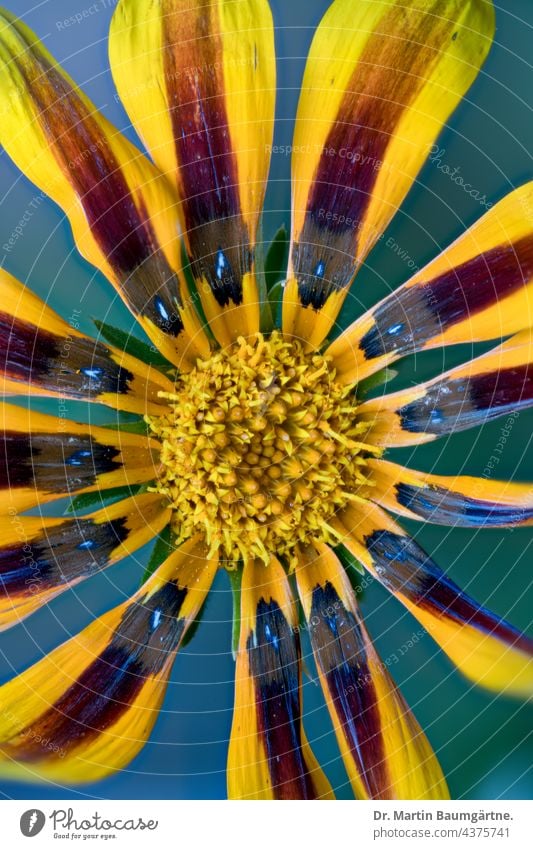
(483,741)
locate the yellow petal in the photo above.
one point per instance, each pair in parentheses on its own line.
(41,558)
(198,81)
(381,81)
(121,209)
(385,752)
(493,385)
(482,645)
(40,354)
(51,458)
(269,757)
(479,288)
(459,501)
(86,709)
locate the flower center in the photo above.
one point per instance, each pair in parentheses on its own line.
(260,447)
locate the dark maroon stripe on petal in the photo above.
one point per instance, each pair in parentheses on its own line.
(405,568)
(65,553)
(120,227)
(148,633)
(445,507)
(81,148)
(388,77)
(218,238)
(71,365)
(504,388)
(406,320)
(339,648)
(274,657)
(460,403)
(53,462)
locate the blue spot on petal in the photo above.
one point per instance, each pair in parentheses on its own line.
(156,619)
(161,309)
(320,269)
(332,625)
(436,417)
(87,544)
(92,373)
(272,638)
(77,459)
(221,264)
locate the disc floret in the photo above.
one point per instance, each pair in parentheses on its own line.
(260,448)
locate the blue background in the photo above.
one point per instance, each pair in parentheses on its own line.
(480,739)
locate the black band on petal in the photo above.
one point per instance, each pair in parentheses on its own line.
(53,462)
(72,365)
(61,555)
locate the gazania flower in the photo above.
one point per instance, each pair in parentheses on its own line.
(256,449)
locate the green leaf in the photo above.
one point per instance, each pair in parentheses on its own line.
(275,297)
(195,624)
(235,579)
(187,271)
(98,499)
(194,294)
(348,560)
(162,549)
(277,258)
(354,570)
(133,346)
(374,380)
(266,319)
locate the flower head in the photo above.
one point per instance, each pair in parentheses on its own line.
(261,448)
(257,448)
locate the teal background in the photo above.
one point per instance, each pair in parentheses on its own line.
(481,739)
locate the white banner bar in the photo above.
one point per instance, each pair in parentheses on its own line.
(254,825)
